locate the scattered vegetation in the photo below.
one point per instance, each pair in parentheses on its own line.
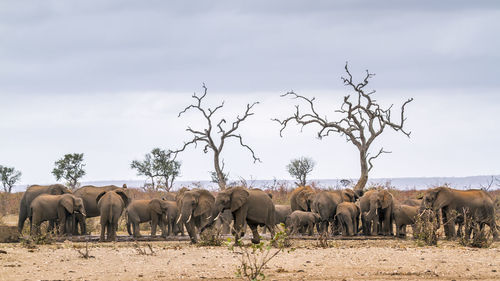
(253,258)
(473,236)
(215,134)
(361,120)
(143,251)
(426,229)
(299,168)
(70,168)
(9,177)
(322,241)
(84,251)
(159,168)
(211,236)
(44,238)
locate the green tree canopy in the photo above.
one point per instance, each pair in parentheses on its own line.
(299,168)
(158,164)
(70,168)
(9,177)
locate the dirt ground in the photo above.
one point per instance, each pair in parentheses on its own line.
(345,260)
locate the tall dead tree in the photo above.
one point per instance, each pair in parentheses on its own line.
(362,121)
(210,134)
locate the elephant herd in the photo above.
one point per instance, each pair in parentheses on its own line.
(345,212)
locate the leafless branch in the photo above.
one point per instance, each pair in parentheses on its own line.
(208,136)
(362,122)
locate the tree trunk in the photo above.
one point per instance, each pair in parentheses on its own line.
(218,171)
(363,179)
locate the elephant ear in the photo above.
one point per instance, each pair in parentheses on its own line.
(68,202)
(205,202)
(99,196)
(239,197)
(302,200)
(387,200)
(349,195)
(124,197)
(155,206)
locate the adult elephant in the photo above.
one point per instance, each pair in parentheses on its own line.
(89,195)
(412,202)
(252,206)
(111,205)
(325,204)
(196,207)
(33,192)
(154,211)
(380,213)
(301,198)
(48,207)
(476,202)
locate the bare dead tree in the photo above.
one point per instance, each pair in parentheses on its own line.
(362,122)
(211,133)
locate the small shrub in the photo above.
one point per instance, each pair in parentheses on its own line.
(143,251)
(211,237)
(322,241)
(426,226)
(45,238)
(481,238)
(84,251)
(255,257)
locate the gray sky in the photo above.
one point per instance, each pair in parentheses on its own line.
(107,78)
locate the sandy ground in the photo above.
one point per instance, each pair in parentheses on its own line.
(344,260)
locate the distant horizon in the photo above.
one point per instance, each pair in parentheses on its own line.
(402,183)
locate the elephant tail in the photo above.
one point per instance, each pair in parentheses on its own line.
(129,230)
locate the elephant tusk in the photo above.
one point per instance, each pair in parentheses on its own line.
(217,216)
(208,217)
(189,218)
(179,219)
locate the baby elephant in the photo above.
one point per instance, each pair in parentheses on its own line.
(404,215)
(300,219)
(140,211)
(111,205)
(347,216)
(58,208)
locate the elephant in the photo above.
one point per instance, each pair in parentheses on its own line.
(477,203)
(404,215)
(111,205)
(302,198)
(347,215)
(224,222)
(280,214)
(31,193)
(380,213)
(412,202)
(252,206)
(325,204)
(154,211)
(47,207)
(196,207)
(89,195)
(171,218)
(302,220)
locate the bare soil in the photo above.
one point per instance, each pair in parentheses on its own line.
(393,259)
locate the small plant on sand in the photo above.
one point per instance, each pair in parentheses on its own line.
(481,238)
(211,236)
(253,258)
(84,251)
(143,251)
(322,241)
(426,226)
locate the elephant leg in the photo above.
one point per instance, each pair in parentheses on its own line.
(350,228)
(255,233)
(103,230)
(310,229)
(154,222)
(136,229)
(191,229)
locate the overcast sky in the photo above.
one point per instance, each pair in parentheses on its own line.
(108,78)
